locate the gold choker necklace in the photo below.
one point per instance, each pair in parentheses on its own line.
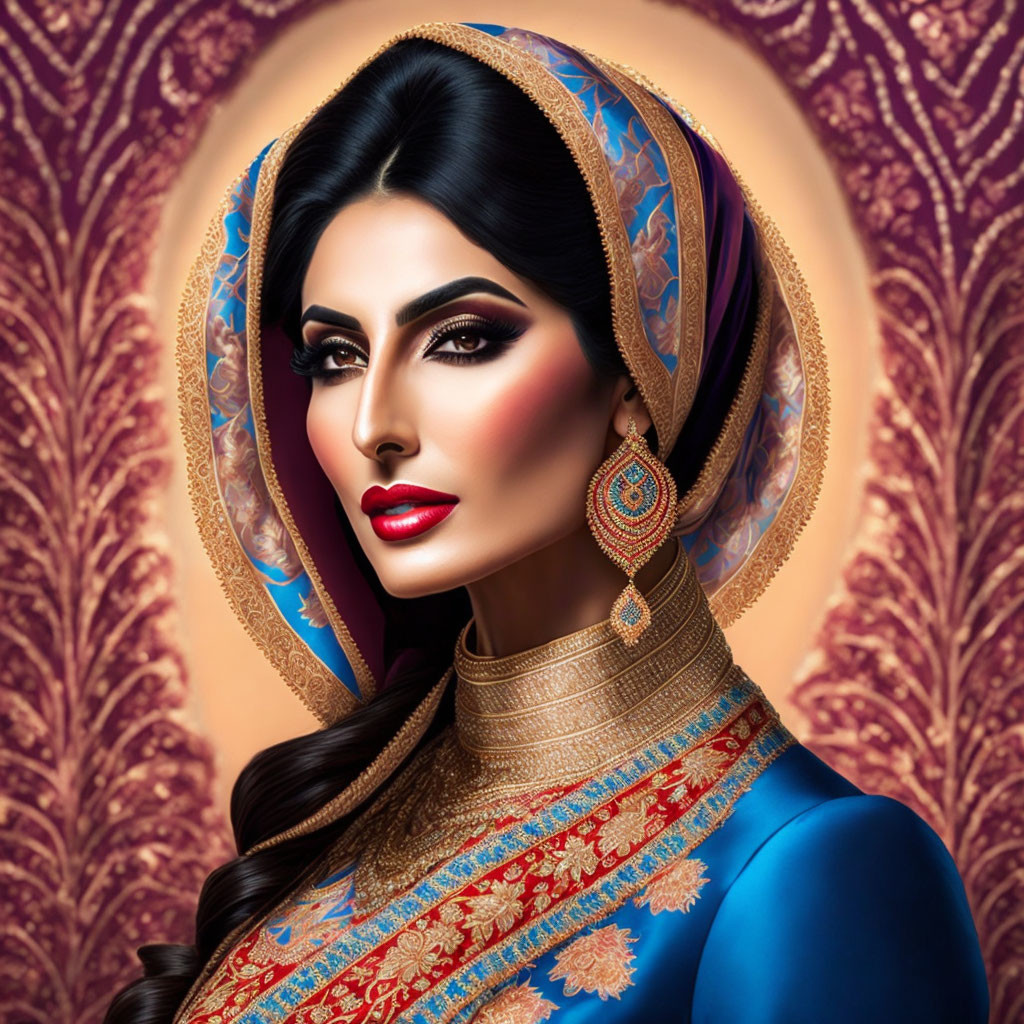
(529,725)
(580,703)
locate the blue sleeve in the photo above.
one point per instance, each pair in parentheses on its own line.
(851,912)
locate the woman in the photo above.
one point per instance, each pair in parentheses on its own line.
(559,407)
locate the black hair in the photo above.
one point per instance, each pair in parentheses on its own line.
(425,120)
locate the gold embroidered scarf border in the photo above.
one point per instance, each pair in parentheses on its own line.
(677,840)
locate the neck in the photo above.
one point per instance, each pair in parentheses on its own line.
(569,706)
(558,590)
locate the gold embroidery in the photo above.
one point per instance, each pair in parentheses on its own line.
(678,888)
(499,908)
(597,962)
(740,591)
(626,828)
(584,701)
(518,1004)
(578,858)
(701,766)
(529,724)
(443,898)
(415,953)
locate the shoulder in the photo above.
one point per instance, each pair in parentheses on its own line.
(874,841)
(853,903)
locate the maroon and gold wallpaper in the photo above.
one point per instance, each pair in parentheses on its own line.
(913,685)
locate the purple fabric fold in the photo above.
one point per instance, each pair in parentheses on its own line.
(731,308)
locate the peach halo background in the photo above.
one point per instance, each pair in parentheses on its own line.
(895,626)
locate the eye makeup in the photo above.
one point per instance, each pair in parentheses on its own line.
(496,334)
(308,360)
(489,336)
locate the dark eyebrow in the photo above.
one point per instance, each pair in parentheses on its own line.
(416,307)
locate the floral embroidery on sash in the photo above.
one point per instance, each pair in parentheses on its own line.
(678,888)
(700,767)
(510,898)
(597,962)
(517,1004)
(498,906)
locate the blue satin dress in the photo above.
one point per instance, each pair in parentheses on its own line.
(821,904)
(715,873)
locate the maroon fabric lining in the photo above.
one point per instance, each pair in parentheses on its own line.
(311,498)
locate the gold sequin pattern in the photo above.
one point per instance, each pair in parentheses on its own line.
(530,723)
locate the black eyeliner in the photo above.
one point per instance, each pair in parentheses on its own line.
(499,334)
(306,360)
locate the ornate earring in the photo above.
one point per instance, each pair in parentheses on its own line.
(631,508)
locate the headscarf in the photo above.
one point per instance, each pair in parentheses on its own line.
(724,347)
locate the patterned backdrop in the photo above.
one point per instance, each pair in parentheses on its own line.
(914,687)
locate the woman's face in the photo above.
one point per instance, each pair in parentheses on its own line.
(454,412)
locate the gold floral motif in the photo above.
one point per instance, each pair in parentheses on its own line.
(700,767)
(596,962)
(626,828)
(577,858)
(741,729)
(414,953)
(518,1004)
(678,888)
(499,908)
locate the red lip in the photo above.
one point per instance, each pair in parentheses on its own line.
(428,509)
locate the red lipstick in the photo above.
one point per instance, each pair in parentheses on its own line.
(405,510)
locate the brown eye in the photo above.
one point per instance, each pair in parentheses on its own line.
(328,358)
(471,339)
(465,342)
(341,358)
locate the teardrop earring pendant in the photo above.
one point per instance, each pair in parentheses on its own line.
(631,509)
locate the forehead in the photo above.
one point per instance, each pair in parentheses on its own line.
(378,252)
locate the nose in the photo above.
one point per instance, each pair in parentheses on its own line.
(383,429)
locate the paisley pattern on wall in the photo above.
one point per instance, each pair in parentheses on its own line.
(107,818)
(914,688)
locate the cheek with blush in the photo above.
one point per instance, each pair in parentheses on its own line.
(329,429)
(557,404)
(527,445)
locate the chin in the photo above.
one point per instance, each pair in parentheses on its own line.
(439,564)
(404,586)
(419,569)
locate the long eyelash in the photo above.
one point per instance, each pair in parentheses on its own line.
(307,361)
(498,333)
